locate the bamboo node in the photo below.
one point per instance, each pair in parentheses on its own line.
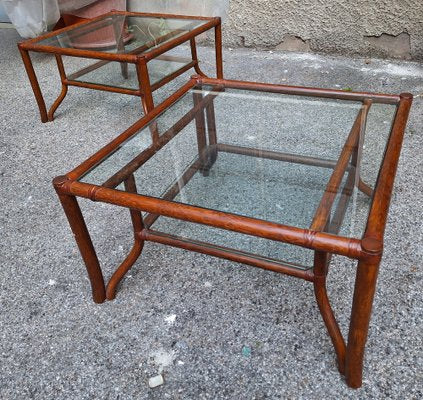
(372,245)
(92,192)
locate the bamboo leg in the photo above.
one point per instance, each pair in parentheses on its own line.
(147,96)
(136,250)
(322,259)
(144,104)
(34,83)
(211,128)
(120,45)
(83,240)
(200,125)
(364,187)
(218,47)
(365,286)
(195,57)
(372,248)
(123,269)
(144,85)
(320,274)
(64,91)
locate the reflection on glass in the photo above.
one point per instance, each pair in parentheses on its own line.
(120,33)
(265,156)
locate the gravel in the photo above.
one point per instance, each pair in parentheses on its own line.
(186,316)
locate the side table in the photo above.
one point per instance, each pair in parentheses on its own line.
(288,176)
(133,62)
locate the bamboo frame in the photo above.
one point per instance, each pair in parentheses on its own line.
(139,56)
(322,237)
(322,213)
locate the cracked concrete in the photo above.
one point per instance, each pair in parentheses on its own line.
(293,43)
(391,46)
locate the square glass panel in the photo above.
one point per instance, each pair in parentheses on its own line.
(263,155)
(123,34)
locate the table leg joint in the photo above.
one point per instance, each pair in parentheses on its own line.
(320,270)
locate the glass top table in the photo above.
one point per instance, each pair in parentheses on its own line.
(273,176)
(133,49)
(279,152)
(142,33)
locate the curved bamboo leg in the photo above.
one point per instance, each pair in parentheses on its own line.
(136,250)
(64,91)
(34,83)
(195,58)
(320,273)
(56,104)
(124,268)
(364,187)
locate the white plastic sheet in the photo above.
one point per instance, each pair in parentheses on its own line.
(31,18)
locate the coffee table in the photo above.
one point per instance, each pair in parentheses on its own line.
(277,177)
(131,52)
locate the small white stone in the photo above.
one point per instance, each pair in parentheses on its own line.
(155,381)
(180,362)
(207,284)
(170,319)
(51,282)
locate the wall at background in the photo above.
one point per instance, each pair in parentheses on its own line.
(377,28)
(3,16)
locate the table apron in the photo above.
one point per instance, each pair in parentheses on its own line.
(349,247)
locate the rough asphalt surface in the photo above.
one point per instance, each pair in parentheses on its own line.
(214,329)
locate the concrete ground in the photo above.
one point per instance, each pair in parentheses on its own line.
(214,329)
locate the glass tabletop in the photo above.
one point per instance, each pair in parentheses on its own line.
(262,155)
(126,34)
